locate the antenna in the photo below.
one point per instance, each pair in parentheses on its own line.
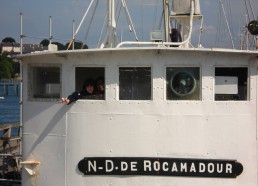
(50,30)
(21,34)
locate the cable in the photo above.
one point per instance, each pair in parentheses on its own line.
(87,32)
(247,10)
(250,4)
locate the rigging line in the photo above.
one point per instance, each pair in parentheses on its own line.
(55,38)
(118,16)
(84,16)
(230,34)
(34,37)
(231,20)
(141,20)
(129,20)
(230,14)
(247,11)
(161,19)
(218,28)
(251,7)
(102,29)
(155,15)
(119,12)
(91,20)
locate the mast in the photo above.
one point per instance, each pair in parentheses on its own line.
(166,20)
(110,38)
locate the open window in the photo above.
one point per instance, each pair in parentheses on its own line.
(93,74)
(44,81)
(183,83)
(231,83)
(135,83)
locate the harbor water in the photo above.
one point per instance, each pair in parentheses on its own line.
(9,107)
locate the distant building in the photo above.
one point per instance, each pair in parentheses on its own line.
(14,48)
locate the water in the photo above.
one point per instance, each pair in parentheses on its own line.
(9,108)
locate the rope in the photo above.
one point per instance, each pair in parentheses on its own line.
(91,20)
(247,10)
(250,4)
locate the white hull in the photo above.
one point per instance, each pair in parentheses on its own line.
(59,136)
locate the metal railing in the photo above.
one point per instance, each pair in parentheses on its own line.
(9,81)
(10,154)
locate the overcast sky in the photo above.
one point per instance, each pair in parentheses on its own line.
(144,14)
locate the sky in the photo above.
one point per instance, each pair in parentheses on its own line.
(145,14)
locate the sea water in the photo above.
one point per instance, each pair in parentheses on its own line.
(9,108)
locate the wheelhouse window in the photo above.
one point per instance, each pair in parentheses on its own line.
(95,75)
(135,83)
(44,81)
(231,83)
(183,83)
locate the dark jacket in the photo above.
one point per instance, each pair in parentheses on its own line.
(80,95)
(83,94)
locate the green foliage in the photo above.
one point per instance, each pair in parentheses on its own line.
(60,46)
(8,68)
(5,68)
(77,45)
(8,40)
(44,42)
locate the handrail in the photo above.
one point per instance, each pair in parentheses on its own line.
(9,81)
(165,43)
(10,151)
(9,125)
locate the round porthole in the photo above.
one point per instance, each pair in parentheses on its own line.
(183,83)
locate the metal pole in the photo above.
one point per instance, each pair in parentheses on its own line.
(165,8)
(130,22)
(21,34)
(76,32)
(50,30)
(73,33)
(109,40)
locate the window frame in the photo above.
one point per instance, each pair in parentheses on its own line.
(167,86)
(151,83)
(31,81)
(82,81)
(247,85)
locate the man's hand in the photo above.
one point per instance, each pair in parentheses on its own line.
(64,101)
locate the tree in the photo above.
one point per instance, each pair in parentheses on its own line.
(60,46)
(8,40)
(8,68)
(77,45)
(5,67)
(44,42)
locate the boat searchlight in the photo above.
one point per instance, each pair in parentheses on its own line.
(253,27)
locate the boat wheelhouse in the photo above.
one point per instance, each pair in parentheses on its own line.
(169,116)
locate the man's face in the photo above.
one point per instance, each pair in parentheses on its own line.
(101,87)
(90,89)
